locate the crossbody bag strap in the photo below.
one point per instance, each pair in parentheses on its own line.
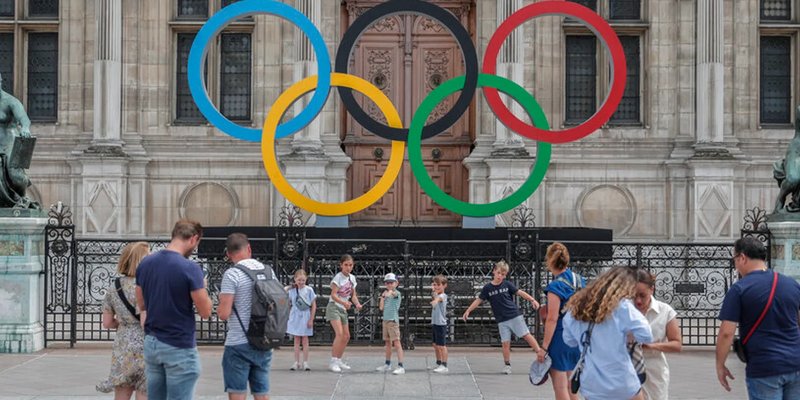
(121,294)
(766,308)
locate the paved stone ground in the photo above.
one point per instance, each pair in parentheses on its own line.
(71,374)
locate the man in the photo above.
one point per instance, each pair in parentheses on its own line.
(167,286)
(241,363)
(773,367)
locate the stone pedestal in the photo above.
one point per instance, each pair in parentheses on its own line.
(21,262)
(786,247)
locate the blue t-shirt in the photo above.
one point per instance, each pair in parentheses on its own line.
(774,348)
(501,298)
(167,280)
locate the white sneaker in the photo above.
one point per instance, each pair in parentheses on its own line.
(334,367)
(305,366)
(384,368)
(342,365)
(399,371)
(507,370)
(441,369)
(294,367)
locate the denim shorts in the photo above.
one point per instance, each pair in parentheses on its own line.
(515,325)
(241,364)
(440,335)
(777,387)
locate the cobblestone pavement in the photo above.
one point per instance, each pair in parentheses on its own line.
(70,374)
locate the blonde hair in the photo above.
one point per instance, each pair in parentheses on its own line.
(300,272)
(599,299)
(440,279)
(502,266)
(557,256)
(131,256)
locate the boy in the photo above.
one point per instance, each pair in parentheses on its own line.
(390,305)
(500,294)
(439,323)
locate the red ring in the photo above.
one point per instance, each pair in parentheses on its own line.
(607,36)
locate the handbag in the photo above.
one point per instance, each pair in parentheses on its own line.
(121,294)
(637,358)
(738,343)
(575,379)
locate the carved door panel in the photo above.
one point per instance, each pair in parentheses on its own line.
(407,56)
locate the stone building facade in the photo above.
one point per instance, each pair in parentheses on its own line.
(707,110)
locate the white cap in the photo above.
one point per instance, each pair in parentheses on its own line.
(390,277)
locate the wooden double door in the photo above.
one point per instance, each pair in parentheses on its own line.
(407,56)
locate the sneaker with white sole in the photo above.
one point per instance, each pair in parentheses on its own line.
(507,370)
(305,366)
(384,368)
(399,371)
(334,367)
(342,365)
(441,369)
(294,367)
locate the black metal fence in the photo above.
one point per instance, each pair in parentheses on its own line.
(692,277)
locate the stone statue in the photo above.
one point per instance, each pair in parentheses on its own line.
(787,173)
(16,150)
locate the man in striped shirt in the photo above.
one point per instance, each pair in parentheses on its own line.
(241,363)
(390,305)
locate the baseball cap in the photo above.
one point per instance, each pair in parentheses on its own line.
(390,277)
(538,373)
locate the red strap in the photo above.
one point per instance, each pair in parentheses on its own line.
(763,313)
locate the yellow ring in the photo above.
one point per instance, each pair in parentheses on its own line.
(271,163)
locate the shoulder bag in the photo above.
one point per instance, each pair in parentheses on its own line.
(738,343)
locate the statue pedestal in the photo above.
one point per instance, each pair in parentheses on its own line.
(21,285)
(786,247)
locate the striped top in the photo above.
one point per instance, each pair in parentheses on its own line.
(237,283)
(391,307)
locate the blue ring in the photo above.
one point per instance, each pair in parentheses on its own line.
(215,24)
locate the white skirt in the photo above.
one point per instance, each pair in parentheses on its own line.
(298,323)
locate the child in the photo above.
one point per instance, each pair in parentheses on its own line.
(500,294)
(343,287)
(301,318)
(439,323)
(390,305)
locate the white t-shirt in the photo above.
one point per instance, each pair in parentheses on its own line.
(656,387)
(346,285)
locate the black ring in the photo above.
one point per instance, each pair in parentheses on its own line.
(417,7)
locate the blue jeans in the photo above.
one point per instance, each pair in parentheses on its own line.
(241,364)
(171,371)
(778,387)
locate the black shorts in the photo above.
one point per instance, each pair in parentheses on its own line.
(440,335)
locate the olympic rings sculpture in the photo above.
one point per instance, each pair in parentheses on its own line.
(393,130)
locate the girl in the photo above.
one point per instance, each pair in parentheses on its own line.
(561,288)
(127,360)
(343,288)
(301,318)
(666,336)
(601,319)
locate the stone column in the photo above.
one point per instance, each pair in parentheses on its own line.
(21,295)
(305,65)
(108,74)
(510,65)
(710,74)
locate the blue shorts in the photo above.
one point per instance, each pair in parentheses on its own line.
(241,364)
(440,335)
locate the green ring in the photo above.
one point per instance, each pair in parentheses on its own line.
(543,151)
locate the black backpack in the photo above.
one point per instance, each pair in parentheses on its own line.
(269,313)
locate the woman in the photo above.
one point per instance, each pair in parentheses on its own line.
(604,316)
(561,288)
(127,362)
(666,336)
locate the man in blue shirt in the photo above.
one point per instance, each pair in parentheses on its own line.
(168,285)
(773,350)
(500,294)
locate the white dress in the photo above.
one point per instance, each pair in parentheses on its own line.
(299,315)
(656,387)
